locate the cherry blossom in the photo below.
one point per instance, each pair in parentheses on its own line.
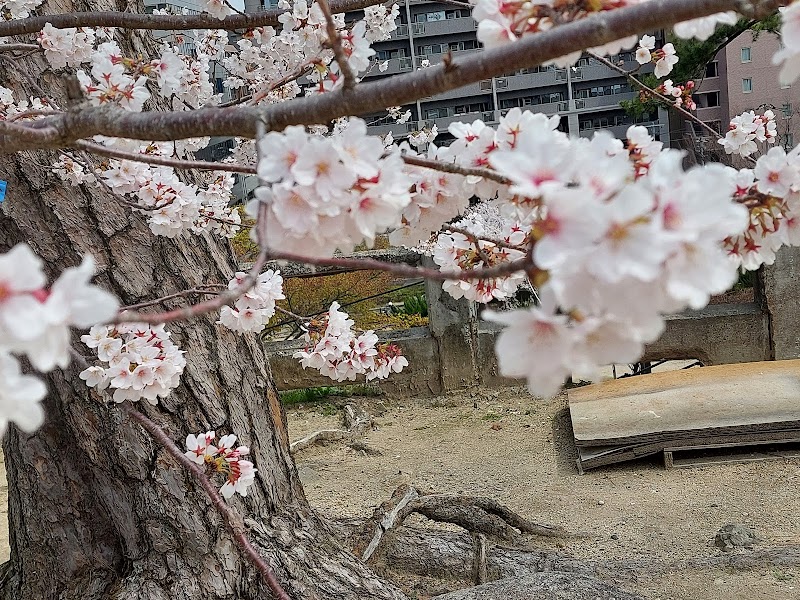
(222,457)
(20,396)
(253,309)
(334,349)
(747,129)
(19,9)
(455,252)
(141,362)
(666,58)
(703,28)
(64,47)
(789,55)
(324,195)
(644,53)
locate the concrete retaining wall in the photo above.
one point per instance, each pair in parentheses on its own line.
(456,350)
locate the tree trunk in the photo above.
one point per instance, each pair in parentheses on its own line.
(96,508)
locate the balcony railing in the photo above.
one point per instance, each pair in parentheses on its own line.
(444,27)
(608,101)
(396,65)
(621,131)
(550,108)
(396,129)
(437,58)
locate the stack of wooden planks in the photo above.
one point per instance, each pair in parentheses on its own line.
(706,407)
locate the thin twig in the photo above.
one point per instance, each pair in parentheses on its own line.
(658,95)
(296,74)
(295,316)
(335,42)
(199,290)
(232,519)
(153,159)
(482,238)
(456,169)
(370,264)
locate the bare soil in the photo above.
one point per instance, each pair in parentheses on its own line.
(509,446)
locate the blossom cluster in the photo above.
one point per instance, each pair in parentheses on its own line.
(172,207)
(438,197)
(618,239)
(333,348)
(137,361)
(18,9)
(682,94)
(327,193)
(253,309)
(747,129)
(222,457)
(772,189)
(665,57)
(117,79)
(10,108)
(490,244)
(35,323)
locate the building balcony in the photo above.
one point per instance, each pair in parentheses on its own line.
(443,27)
(621,131)
(712,113)
(551,108)
(599,71)
(437,58)
(442,123)
(607,102)
(468,91)
(396,129)
(400,33)
(530,80)
(396,65)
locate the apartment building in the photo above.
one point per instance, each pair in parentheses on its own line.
(587,96)
(743,78)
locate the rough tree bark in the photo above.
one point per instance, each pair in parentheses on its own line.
(97,510)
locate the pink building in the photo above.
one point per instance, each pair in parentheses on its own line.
(743,78)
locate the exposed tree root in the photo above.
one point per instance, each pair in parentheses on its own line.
(356,422)
(544,586)
(323,435)
(478,515)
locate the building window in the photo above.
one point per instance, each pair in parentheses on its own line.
(712,69)
(435,113)
(429,17)
(786,109)
(789,140)
(708,100)
(747,85)
(745,55)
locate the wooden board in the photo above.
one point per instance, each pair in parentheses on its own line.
(621,420)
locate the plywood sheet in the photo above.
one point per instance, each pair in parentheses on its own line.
(761,396)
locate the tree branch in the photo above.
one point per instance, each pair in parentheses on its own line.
(529,51)
(658,95)
(153,159)
(231,518)
(127,20)
(335,42)
(369,264)
(456,169)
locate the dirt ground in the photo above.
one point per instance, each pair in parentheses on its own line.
(519,451)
